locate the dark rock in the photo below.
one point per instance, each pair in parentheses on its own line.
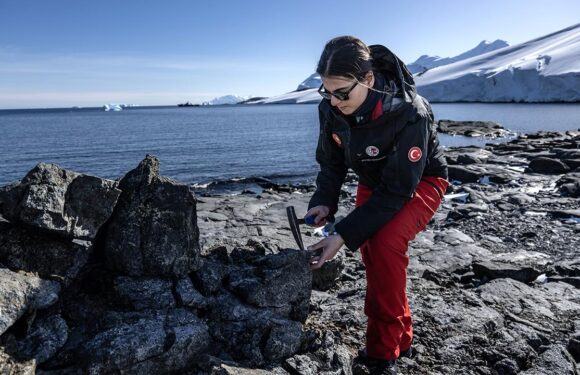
(48,255)
(326,277)
(466,159)
(524,266)
(282,281)
(574,346)
(566,214)
(188,295)
(153,230)
(463,174)
(145,293)
(60,201)
(555,360)
(546,165)
(47,336)
(21,292)
(209,278)
(158,344)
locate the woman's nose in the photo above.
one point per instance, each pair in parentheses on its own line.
(334,101)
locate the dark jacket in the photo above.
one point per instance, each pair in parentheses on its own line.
(382,152)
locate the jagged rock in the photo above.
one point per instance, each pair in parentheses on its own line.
(570,185)
(282,282)
(555,360)
(453,237)
(158,344)
(524,266)
(153,231)
(21,292)
(48,255)
(566,214)
(520,199)
(326,277)
(188,295)
(546,165)
(209,277)
(463,174)
(46,337)
(60,201)
(466,159)
(145,293)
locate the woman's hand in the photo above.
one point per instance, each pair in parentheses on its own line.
(321,213)
(330,246)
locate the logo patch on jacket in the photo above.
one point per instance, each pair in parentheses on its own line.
(372,151)
(415,154)
(336,139)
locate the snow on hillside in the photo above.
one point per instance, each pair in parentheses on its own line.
(312,82)
(545,69)
(427,62)
(294,97)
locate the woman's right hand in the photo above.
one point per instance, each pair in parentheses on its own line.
(321,213)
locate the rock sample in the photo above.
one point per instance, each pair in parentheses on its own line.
(61,201)
(153,230)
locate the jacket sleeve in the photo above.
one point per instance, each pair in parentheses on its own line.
(399,178)
(333,169)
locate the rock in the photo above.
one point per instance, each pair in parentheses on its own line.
(463,174)
(326,277)
(157,344)
(282,281)
(60,201)
(524,266)
(145,293)
(566,214)
(21,292)
(466,159)
(555,360)
(153,231)
(12,366)
(209,277)
(471,128)
(48,255)
(453,237)
(520,199)
(46,337)
(546,165)
(188,295)
(284,340)
(574,346)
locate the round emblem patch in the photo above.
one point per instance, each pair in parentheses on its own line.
(415,154)
(372,151)
(336,139)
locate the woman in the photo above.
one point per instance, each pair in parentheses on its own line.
(373,121)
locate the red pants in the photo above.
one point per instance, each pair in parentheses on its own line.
(389,328)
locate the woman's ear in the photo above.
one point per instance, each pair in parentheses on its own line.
(370,78)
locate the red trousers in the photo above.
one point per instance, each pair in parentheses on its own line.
(389,328)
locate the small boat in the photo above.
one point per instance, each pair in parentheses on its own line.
(187,104)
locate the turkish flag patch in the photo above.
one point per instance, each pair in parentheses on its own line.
(415,154)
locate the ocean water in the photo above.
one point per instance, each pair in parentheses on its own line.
(199,145)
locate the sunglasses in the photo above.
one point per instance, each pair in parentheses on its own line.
(340,95)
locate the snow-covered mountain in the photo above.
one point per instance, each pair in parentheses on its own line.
(226,99)
(425,62)
(312,82)
(546,69)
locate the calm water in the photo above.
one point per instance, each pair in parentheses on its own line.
(202,144)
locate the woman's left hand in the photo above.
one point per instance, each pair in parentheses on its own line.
(330,246)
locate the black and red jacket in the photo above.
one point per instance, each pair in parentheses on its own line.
(390,154)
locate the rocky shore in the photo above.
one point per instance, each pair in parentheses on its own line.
(142,276)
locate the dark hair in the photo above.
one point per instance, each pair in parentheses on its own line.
(345,56)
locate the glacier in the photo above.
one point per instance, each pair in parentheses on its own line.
(545,69)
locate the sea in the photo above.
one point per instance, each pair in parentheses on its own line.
(216,149)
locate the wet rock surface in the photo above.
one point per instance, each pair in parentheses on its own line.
(492,284)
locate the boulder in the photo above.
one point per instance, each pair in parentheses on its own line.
(48,255)
(61,201)
(46,336)
(555,360)
(21,292)
(545,165)
(153,231)
(145,293)
(463,174)
(524,266)
(327,276)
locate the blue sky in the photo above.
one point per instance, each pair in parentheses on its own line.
(88,53)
